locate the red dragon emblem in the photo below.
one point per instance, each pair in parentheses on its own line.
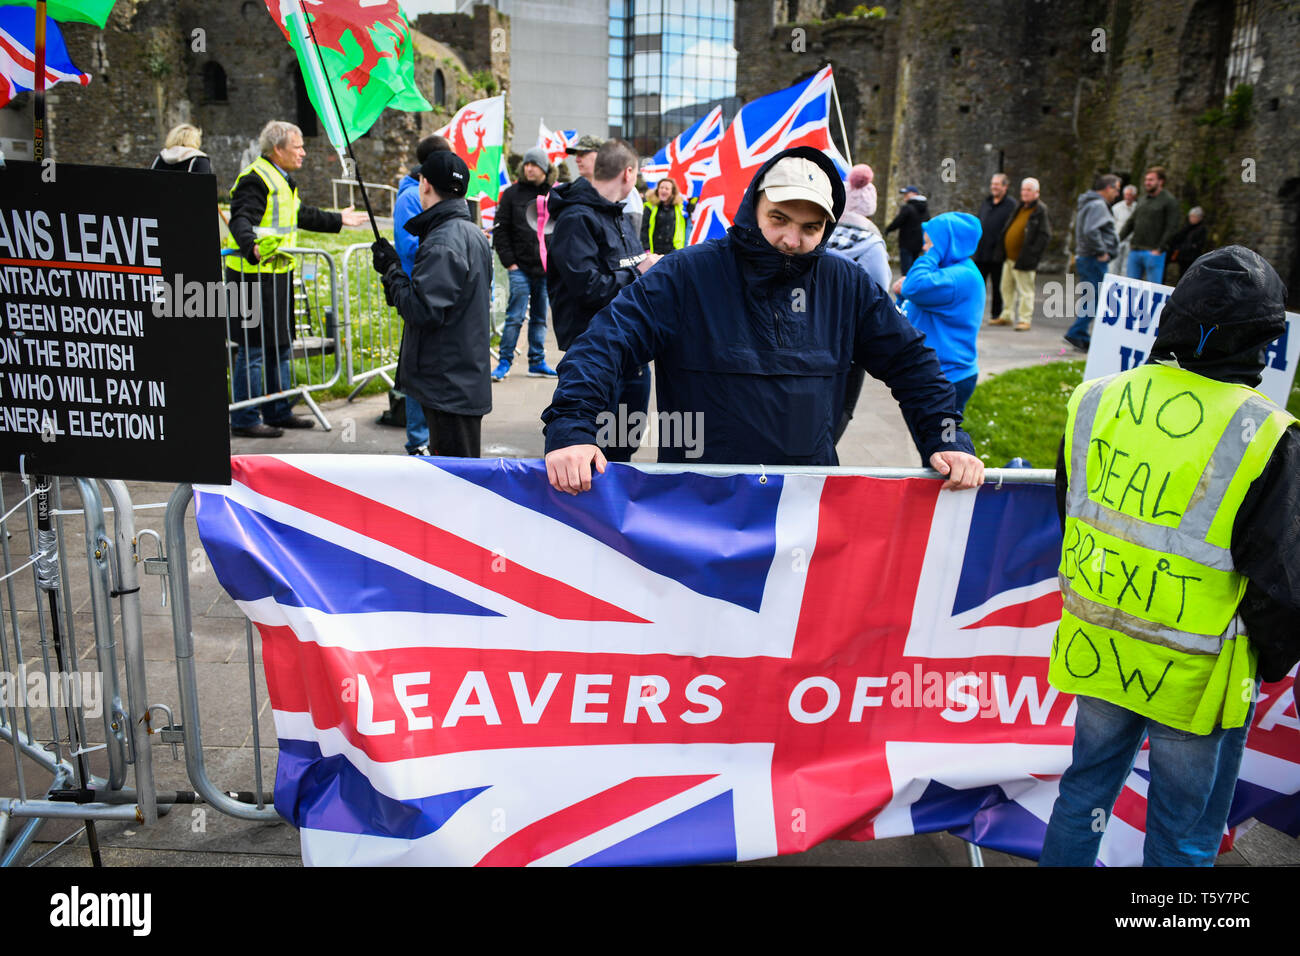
(468,129)
(333,20)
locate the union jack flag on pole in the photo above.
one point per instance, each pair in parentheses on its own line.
(466,667)
(798,116)
(688,156)
(555,142)
(18,54)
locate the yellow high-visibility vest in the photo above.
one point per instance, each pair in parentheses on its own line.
(279,221)
(1159,461)
(679,227)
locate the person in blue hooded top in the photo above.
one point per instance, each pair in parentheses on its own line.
(945,298)
(752,336)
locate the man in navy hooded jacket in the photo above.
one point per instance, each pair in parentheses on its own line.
(755,333)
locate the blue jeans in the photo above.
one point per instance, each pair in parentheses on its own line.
(1192,782)
(417,429)
(1090,271)
(1145,265)
(525,293)
(246,382)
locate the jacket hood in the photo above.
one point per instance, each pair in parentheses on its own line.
(955,235)
(580,193)
(765,261)
(179,154)
(410,179)
(1225,309)
(1089,197)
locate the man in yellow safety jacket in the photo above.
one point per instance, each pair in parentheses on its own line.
(1179,487)
(264,217)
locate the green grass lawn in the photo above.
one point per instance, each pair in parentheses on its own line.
(1021,413)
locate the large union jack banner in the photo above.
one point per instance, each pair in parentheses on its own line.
(688,157)
(798,116)
(466,667)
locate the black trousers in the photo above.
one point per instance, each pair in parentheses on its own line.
(993,269)
(453,436)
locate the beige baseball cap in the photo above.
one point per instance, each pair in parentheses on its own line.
(797,178)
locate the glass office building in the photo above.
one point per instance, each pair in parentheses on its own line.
(670,62)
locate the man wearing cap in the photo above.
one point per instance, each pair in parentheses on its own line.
(914,211)
(752,336)
(1178,486)
(517,240)
(584,154)
(445,302)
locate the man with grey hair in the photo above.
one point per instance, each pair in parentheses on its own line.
(1120,212)
(994,213)
(1187,245)
(1095,244)
(1024,239)
(264,217)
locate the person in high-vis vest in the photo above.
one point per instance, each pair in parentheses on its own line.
(264,217)
(665,225)
(1179,490)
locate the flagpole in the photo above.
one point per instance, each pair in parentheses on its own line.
(835,95)
(38,120)
(365,198)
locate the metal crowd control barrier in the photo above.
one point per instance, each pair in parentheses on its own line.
(243,805)
(352,184)
(288,336)
(60,745)
(374,327)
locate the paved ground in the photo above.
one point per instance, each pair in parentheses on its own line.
(200,836)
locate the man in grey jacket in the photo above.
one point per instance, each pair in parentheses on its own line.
(445,301)
(1095,244)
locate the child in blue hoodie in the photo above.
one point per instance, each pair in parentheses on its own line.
(945,297)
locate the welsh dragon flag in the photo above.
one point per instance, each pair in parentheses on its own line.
(71,11)
(477,135)
(368,60)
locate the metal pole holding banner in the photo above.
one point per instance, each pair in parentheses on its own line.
(47,575)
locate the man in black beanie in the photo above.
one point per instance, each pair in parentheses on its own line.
(445,301)
(1178,486)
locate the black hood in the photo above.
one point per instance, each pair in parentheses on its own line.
(581,193)
(764,259)
(1227,307)
(452,208)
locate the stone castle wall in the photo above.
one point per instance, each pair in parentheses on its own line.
(149,70)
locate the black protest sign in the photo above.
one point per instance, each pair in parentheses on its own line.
(97,378)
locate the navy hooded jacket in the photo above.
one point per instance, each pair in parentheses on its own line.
(759,344)
(945,293)
(592,253)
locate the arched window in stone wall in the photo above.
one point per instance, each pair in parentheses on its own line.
(439,89)
(214,83)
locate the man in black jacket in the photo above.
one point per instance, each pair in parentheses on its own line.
(994,214)
(515,238)
(594,253)
(446,303)
(914,211)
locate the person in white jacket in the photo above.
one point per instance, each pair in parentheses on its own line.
(1120,213)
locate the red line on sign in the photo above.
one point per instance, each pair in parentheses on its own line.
(95,266)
